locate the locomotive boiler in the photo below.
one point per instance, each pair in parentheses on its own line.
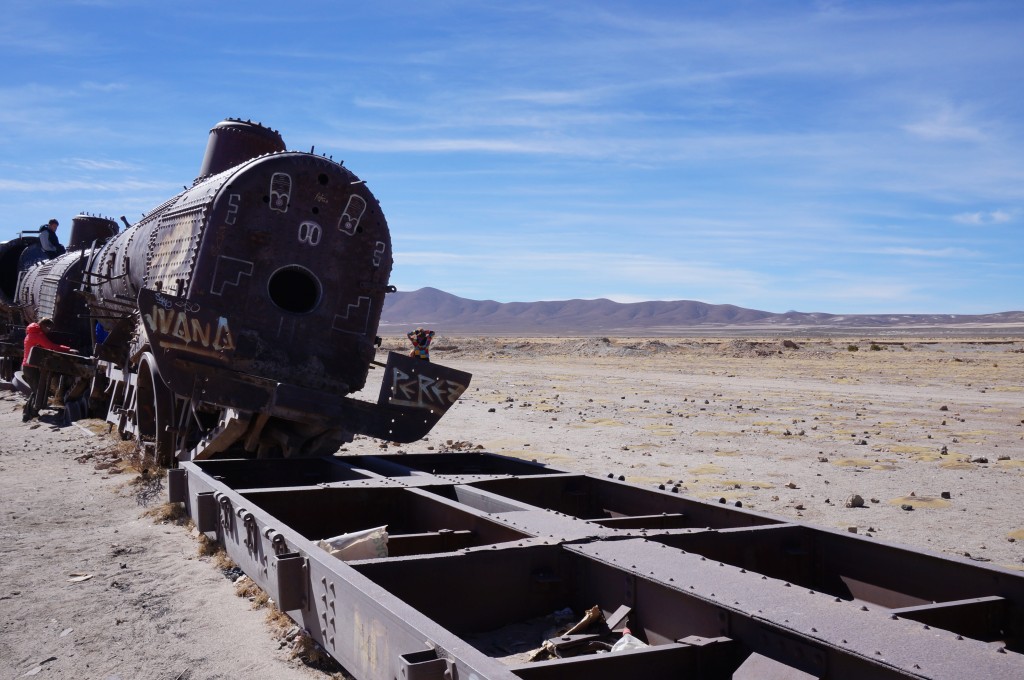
(237,316)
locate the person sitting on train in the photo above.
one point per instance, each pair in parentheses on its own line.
(36,334)
(48,240)
(420,339)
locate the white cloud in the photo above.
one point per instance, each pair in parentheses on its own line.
(926,252)
(947,124)
(94,164)
(983,218)
(56,186)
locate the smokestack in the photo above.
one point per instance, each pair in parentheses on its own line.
(233,141)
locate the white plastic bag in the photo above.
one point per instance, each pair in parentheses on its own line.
(358,545)
(627,641)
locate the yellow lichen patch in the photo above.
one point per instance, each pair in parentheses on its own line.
(706,433)
(94,425)
(912,448)
(991,410)
(661,430)
(853,462)
(604,422)
(727,453)
(745,483)
(645,445)
(645,480)
(957,464)
(884,466)
(921,502)
(974,433)
(728,495)
(1010,463)
(707,469)
(1016,534)
(1008,388)
(763,423)
(927,457)
(537,456)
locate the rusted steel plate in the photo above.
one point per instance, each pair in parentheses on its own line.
(482,545)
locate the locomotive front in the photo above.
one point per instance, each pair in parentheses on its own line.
(281,275)
(243,311)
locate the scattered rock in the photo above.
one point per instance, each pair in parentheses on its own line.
(907,506)
(943,408)
(855,501)
(979,459)
(946,495)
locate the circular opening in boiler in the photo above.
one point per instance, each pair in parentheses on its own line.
(294,289)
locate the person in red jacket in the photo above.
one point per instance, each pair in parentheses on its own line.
(35,334)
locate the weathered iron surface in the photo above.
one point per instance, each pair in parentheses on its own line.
(479,544)
(237,316)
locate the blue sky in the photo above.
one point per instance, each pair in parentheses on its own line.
(846,157)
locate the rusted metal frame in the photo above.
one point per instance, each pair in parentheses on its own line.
(980,618)
(717,660)
(805,629)
(364,627)
(63,363)
(840,663)
(245,474)
(372,633)
(587,497)
(324,512)
(464,466)
(666,520)
(927,576)
(885,575)
(443,540)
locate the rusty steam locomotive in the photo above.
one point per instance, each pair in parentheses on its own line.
(237,316)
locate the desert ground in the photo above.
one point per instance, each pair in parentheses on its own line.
(96,583)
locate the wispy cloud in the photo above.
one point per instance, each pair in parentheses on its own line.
(106,88)
(97,164)
(57,186)
(929,252)
(983,218)
(947,124)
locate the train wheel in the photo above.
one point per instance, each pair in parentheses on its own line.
(154,413)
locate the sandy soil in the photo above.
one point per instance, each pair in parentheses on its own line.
(792,432)
(90,587)
(789,431)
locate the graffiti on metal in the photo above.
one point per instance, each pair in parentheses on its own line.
(181,324)
(423,391)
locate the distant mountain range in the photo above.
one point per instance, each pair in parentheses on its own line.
(450,314)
